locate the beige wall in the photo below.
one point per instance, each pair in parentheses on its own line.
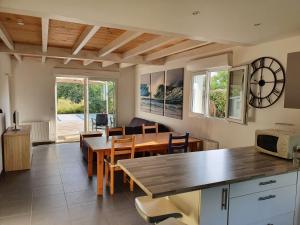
(230,134)
(33,90)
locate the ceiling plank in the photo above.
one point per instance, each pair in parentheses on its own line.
(181,47)
(157,42)
(45,32)
(207,50)
(119,42)
(6,37)
(64,53)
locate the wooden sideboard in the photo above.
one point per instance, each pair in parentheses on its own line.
(17,149)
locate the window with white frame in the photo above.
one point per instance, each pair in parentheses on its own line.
(220,94)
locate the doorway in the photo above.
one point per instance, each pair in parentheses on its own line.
(79,101)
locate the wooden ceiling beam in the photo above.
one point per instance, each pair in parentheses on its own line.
(87,62)
(6,37)
(64,53)
(181,47)
(119,42)
(204,51)
(45,32)
(107,63)
(125,65)
(83,39)
(155,43)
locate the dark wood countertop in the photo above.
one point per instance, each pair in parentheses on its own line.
(167,175)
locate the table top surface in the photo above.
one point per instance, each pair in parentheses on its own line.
(91,133)
(142,141)
(172,174)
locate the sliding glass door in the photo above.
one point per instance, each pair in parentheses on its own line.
(83,105)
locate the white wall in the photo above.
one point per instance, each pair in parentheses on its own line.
(33,90)
(5,73)
(126,95)
(230,134)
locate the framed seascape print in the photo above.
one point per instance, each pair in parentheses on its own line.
(145,92)
(157,93)
(174,93)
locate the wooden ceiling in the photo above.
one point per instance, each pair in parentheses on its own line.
(25,35)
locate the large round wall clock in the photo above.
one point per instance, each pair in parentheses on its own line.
(266,82)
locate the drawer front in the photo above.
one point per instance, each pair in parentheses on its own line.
(262,184)
(286,219)
(260,206)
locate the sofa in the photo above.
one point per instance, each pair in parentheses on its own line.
(134,127)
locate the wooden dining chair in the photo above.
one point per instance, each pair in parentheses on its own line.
(149,127)
(122,148)
(114,131)
(177,147)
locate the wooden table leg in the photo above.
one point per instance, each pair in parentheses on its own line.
(100,161)
(90,162)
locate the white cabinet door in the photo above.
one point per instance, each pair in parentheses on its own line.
(214,206)
(297,209)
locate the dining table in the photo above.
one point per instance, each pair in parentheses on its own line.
(149,142)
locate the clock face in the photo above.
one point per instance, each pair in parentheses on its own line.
(266,82)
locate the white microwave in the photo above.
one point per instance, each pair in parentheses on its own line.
(277,142)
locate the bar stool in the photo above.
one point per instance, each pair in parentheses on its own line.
(171,221)
(156,210)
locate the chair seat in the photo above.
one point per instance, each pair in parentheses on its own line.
(171,221)
(156,210)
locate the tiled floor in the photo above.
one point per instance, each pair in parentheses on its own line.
(57,191)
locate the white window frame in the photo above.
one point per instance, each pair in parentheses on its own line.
(205,94)
(207,90)
(243,112)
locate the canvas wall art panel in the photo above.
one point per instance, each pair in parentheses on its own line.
(157,93)
(145,95)
(174,93)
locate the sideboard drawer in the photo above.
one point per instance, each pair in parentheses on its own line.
(286,219)
(250,209)
(262,184)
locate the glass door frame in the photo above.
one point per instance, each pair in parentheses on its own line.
(86,97)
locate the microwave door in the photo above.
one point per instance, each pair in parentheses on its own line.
(267,142)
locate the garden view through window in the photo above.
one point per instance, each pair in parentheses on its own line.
(209,93)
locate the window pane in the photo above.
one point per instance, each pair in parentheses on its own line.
(198,95)
(217,93)
(235,94)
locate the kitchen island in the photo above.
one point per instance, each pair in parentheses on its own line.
(237,186)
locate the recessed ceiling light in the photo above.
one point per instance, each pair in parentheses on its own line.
(196,12)
(257,24)
(20,22)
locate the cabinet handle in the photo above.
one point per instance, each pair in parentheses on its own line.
(270,224)
(266,197)
(224,199)
(267,182)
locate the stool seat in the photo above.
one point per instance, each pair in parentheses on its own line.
(156,210)
(171,221)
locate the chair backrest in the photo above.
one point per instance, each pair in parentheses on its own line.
(122,146)
(114,131)
(181,146)
(149,127)
(101,119)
